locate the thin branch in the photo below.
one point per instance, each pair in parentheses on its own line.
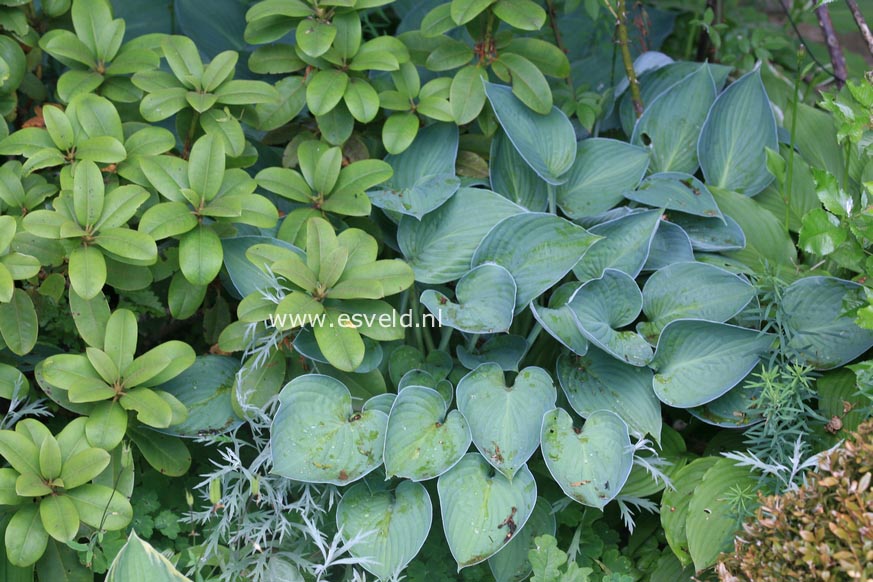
(559,41)
(838,60)
(624,43)
(862,24)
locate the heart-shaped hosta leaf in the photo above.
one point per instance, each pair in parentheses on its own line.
(440,246)
(603,305)
(486,301)
(692,291)
(558,319)
(546,142)
(738,128)
(432,154)
(426,379)
(596,183)
(697,361)
(399,521)
(316,437)
(625,246)
(676,191)
(820,332)
(422,441)
(537,249)
(382,402)
(504,350)
(670,245)
(597,381)
(710,235)
(482,509)
(590,464)
(506,420)
(671,123)
(513,178)
(511,563)
(426,195)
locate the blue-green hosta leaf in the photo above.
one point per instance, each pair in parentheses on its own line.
(513,178)
(538,249)
(676,191)
(625,246)
(506,420)
(559,321)
(697,361)
(433,153)
(440,246)
(205,390)
(602,306)
(710,235)
(404,359)
(481,509)
(423,440)
(597,182)
(382,402)
(428,380)
(426,195)
(504,350)
(821,332)
(486,301)
(590,464)
(711,523)
(316,437)
(245,277)
(670,245)
(731,410)
(546,142)
(400,521)
(692,291)
(738,128)
(597,381)
(671,123)
(511,563)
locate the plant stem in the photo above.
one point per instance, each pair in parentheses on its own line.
(416,318)
(553,199)
(789,179)
(559,41)
(189,138)
(862,24)
(471,342)
(445,338)
(838,60)
(531,338)
(624,43)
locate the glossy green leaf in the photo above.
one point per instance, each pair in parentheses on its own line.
(675,502)
(18,323)
(59,517)
(166,454)
(26,538)
(200,255)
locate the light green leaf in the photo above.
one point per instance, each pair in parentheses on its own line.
(26,538)
(467,94)
(18,323)
(87,271)
(200,255)
(59,517)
